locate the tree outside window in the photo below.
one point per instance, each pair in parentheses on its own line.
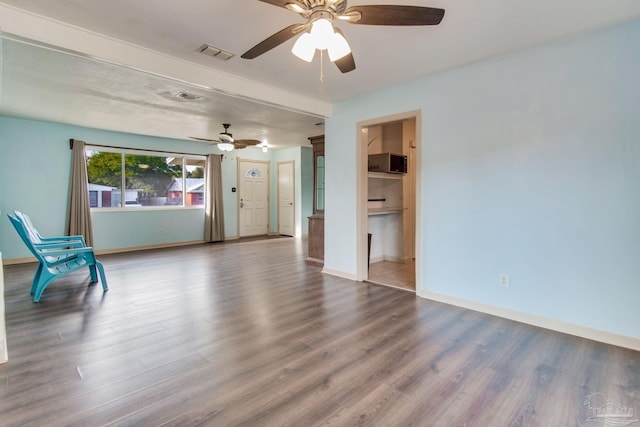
(147,180)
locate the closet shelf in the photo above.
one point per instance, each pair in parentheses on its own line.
(382,175)
(384,211)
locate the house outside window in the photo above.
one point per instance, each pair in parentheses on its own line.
(93,199)
(131,179)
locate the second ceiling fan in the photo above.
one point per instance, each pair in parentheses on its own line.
(226,142)
(323,35)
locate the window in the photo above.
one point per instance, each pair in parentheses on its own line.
(93,199)
(130,180)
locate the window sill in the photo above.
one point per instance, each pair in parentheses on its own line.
(147,208)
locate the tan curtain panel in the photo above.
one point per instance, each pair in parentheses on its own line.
(79,211)
(213,213)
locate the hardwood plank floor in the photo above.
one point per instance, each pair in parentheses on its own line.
(246,334)
(397,274)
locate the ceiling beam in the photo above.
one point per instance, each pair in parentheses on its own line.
(46,31)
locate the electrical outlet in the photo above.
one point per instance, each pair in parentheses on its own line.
(504,281)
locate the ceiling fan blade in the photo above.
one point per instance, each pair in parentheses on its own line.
(202,139)
(273,41)
(346,63)
(396,15)
(243,143)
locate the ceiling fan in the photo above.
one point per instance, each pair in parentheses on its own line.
(323,35)
(227,143)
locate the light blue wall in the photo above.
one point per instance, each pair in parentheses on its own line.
(34,178)
(230,179)
(531,168)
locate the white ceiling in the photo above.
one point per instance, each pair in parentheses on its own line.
(50,85)
(36,82)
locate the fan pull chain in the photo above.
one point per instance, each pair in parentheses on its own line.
(322,66)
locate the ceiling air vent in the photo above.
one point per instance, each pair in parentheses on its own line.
(207,49)
(188,96)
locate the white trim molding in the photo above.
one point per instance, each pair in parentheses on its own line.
(338,273)
(542,322)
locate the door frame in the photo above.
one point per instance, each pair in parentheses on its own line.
(362,191)
(268,187)
(293,184)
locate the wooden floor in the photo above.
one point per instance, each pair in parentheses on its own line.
(397,274)
(246,334)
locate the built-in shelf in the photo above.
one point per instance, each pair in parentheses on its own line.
(382,175)
(383,211)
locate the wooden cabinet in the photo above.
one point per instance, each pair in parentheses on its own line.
(316,240)
(315,254)
(317,142)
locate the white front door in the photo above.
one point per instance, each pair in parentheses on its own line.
(286,198)
(253,198)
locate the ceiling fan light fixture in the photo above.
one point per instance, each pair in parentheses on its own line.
(322,33)
(296,7)
(338,48)
(304,48)
(224,137)
(225,146)
(322,37)
(320,16)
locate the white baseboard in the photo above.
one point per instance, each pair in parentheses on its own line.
(542,322)
(388,258)
(338,273)
(375,259)
(114,251)
(147,247)
(24,260)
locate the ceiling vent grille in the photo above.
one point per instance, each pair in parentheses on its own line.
(215,52)
(186,96)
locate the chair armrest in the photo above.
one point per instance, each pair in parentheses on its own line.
(60,245)
(77,237)
(77,240)
(64,252)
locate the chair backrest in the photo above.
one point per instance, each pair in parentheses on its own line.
(34,235)
(37,238)
(24,235)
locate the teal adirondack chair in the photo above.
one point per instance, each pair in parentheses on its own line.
(36,237)
(56,259)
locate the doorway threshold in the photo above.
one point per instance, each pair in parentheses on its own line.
(388,285)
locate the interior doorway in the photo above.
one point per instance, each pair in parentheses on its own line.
(388,223)
(253,197)
(286,198)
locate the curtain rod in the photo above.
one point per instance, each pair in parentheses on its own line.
(135,149)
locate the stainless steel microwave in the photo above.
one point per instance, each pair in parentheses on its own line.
(387,163)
